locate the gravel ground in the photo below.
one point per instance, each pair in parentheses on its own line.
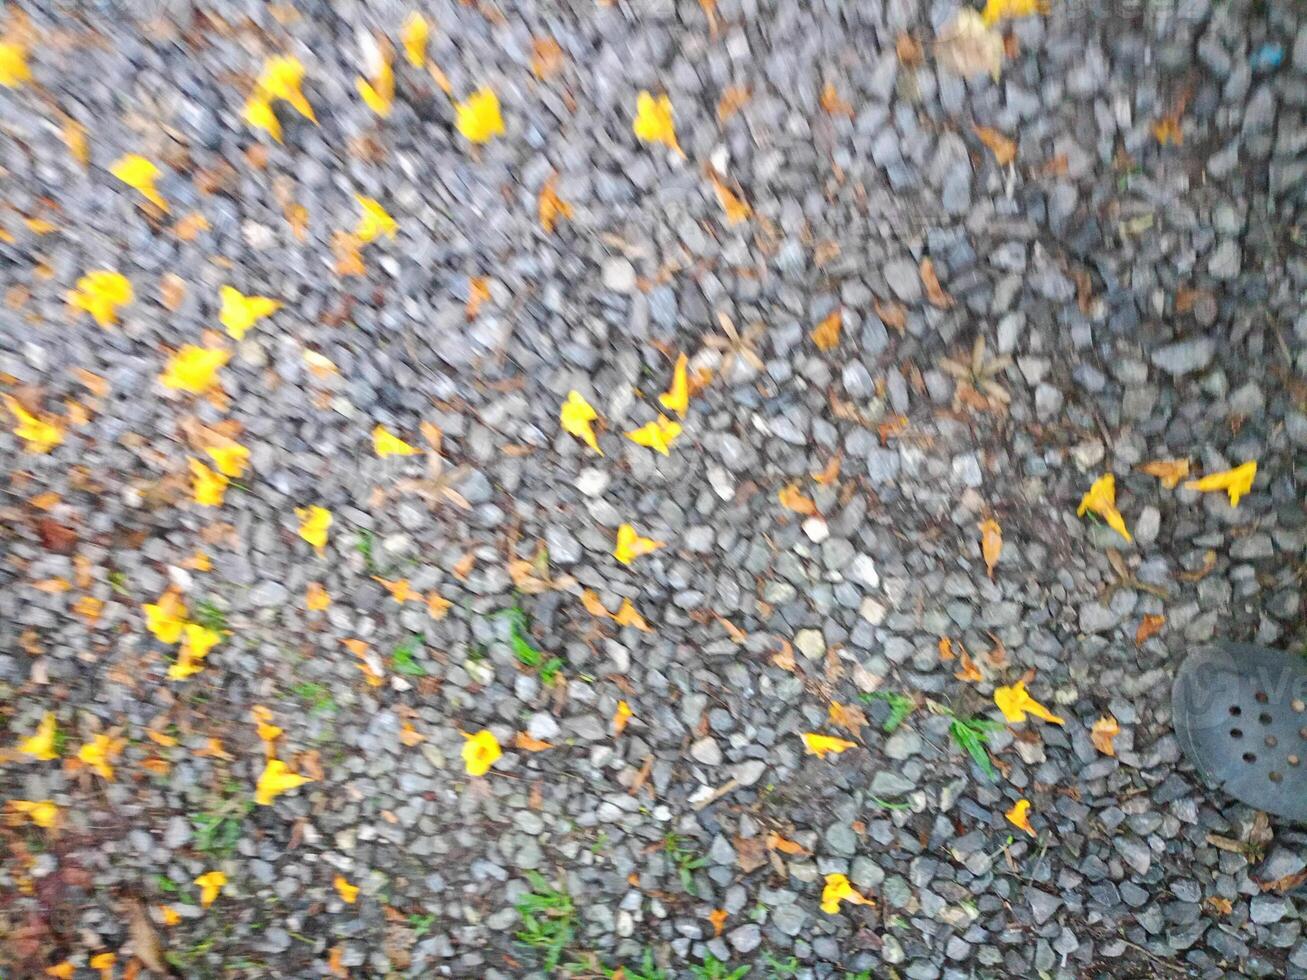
(1126,287)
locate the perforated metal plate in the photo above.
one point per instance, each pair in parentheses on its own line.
(1241,718)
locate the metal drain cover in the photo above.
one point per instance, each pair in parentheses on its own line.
(1241,718)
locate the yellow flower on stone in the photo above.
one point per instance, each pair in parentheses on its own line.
(480,752)
(184,666)
(577,418)
(40,744)
(373,220)
(276,779)
(314,522)
(166,618)
(653,120)
(677,397)
(1019,816)
(478,118)
(348,893)
(100,293)
(1100,499)
(43,813)
(194,369)
(207,487)
(1235,482)
(38,435)
(631,545)
(199,640)
(258,112)
(379,93)
(170,915)
(1015,702)
(13,64)
(240,312)
(386,443)
(414,36)
(838,889)
(997,10)
(657,435)
(210,883)
(263,726)
(98,752)
(281,78)
(230,459)
(140,175)
(820,745)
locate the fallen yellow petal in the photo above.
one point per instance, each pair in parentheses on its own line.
(677,397)
(314,523)
(1019,816)
(210,883)
(1100,499)
(480,752)
(820,745)
(631,545)
(1235,482)
(348,893)
(386,443)
(276,779)
(653,120)
(194,369)
(1015,702)
(478,118)
(140,174)
(658,435)
(577,418)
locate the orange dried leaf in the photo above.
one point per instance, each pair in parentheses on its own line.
(1169,471)
(593,605)
(53,585)
(1004,149)
(909,51)
(316,598)
(826,335)
(831,102)
(732,101)
(190,226)
(546,57)
(791,498)
(946,649)
(829,473)
(718,917)
(410,736)
(991,543)
(930,283)
(478,292)
(969,673)
(1019,816)
(551,207)
(893,315)
(526,743)
(734,206)
(1149,626)
(621,717)
(784,657)
(463,567)
(848,717)
(778,843)
(1102,733)
(627,615)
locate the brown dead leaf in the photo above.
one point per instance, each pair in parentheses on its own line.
(550,207)
(410,736)
(791,498)
(930,283)
(732,101)
(1169,471)
(784,657)
(297,216)
(189,227)
(526,743)
(348,250)
(1004,149)
(891,428)
(997,655)
(909,51)
(969,673)
(826,334)
(751,853)
(831,102)
(736,634)
(53,586)
(893,315)
(478,293)
(1209,563)
(145,941)
(463,567)
(1221,906)
(55,536)
(778,843)
(546,58)
(946,649)
(736,209)
(642,776)
(849,717)
(1149,626)
(1103,732)
(172,291)
(991,543)
(830,472)
(1284,885)
(1053,167)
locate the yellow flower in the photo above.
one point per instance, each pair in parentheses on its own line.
(577,418)
(1019,816)
(622,717)
(100,293)
(199,640)
(1235,482)
(194,369)
(98,752)
(478,118)
(43,813)
(414,36)
(838,889)
(267,731)
(657,435)
(653,120)
(386,443)
(348,893)
(677,397)
(169,915)
(207,487)
(628,615)
(184,666)
(38,435)
(1100,499)
(379,93)
(276,779)
(210,883)
(997,10)
(13,64)
(373,220)
(166,618)
(230,459)
(139,174)
(1015,702)
(314,522)
(316,598)
(40,744)
(258,112)
(631,546)
(240,312)
(480,752)
(104,962)
(281,79)
(820,745)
